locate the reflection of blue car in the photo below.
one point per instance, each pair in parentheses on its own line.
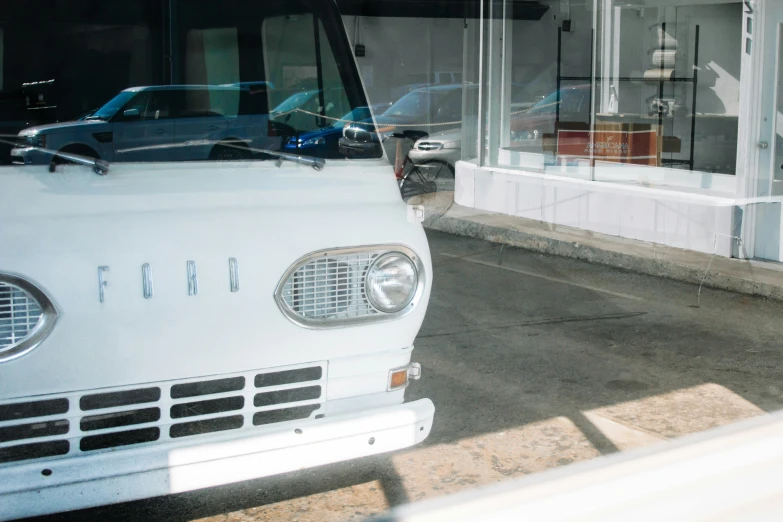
(327,138)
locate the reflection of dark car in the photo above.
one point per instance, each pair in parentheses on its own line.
(316,142)
(142,124)
(414,81)
(530,127)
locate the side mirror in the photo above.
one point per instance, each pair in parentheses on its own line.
(131,114)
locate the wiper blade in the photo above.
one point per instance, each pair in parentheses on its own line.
(99,166)
(310,161)
(316,163)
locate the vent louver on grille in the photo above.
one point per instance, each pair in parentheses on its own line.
(27,316)
(327,289)
(330,288)
(155,413)
(103,137)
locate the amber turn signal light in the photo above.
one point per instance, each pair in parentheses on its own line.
(398,379)
(401,377)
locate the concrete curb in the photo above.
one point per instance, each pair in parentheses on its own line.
(644,264)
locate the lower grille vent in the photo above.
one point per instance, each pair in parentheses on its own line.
(285,396)
(123,398)
(120,438)
(193,409)
(28,410)
(157,413)
(206,426)
(287,414)
(196,389)
(119,419)
(37,450)
(33,431)
(288,377)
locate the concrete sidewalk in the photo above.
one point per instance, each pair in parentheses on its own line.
(743,276)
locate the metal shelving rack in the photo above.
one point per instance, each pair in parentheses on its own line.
(661,84)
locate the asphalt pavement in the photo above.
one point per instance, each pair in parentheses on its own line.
(532,362)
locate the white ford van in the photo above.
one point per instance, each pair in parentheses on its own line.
(167,326)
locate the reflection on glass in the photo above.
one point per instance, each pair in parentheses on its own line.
(114,89)
(655,87)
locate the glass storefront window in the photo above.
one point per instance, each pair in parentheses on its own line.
(619,92)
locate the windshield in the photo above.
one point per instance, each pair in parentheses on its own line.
(548,104)
(294,102)
(413,104)
(222,89)
(357,115)
(112,106)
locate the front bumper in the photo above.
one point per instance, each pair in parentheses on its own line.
(132,474)
(450,156)
(29,156)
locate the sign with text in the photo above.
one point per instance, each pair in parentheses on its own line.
(639,147)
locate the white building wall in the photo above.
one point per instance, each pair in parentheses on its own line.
(691,221)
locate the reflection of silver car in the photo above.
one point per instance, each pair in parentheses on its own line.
(444,147)
(143,124)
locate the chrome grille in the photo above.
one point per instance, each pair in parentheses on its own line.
(111,419)
(19,314)
(331,287)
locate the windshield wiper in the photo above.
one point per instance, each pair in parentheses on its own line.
(316,163)
(99,166)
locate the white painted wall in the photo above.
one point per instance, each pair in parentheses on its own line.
(682,220)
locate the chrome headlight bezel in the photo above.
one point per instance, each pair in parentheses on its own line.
(43,327)
(374,252)
(378,260)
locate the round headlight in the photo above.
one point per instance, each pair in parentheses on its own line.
(391,282)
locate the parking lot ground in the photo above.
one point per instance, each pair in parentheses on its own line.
(532,362)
